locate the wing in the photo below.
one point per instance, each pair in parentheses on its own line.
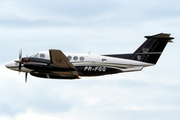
(59,60)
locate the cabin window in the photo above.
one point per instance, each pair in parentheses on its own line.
(69,57)
(75,58)
(81,58)
(104,60)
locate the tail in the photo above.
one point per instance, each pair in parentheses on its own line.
(152,48)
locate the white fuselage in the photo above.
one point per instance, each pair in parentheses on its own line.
(90,63)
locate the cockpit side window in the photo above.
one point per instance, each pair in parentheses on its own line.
(42,55)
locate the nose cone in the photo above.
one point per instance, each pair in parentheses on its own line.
(12,65)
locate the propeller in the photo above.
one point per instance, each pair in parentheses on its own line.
(20,64)
(26,77)
(20,59)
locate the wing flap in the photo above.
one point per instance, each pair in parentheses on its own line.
(67,73)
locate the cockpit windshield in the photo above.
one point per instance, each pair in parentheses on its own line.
(35,55)
(38,55)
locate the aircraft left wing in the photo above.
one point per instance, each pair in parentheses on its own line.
(59,60)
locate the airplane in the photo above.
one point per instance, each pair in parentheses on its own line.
(54,64)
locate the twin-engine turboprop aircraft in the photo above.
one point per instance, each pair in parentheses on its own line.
(55,64)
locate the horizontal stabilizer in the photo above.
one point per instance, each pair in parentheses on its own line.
(138,68)
(161,35)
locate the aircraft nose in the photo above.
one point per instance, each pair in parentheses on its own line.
(7,65)
(10,65)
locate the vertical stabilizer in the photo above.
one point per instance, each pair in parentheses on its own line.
(152,48)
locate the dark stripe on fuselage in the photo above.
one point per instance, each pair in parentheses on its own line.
(88,69)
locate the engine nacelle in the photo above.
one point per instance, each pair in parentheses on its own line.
(44,67)
(59,75)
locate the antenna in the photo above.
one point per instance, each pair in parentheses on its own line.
(89,52)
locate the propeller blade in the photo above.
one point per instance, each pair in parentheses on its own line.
(26,77)
(20,59)
(20,54)
(20,67)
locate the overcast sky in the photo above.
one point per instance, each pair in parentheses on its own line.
(99,26)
